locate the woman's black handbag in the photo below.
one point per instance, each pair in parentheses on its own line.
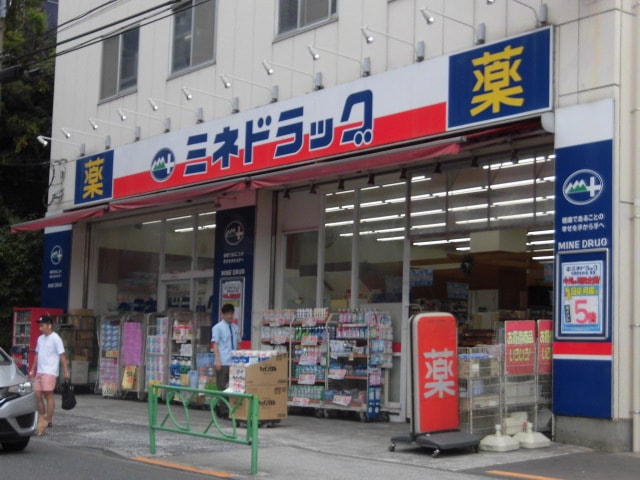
(68,396)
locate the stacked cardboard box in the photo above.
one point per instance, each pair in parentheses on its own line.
(478,367)
(268,380)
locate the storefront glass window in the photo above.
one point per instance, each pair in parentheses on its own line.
(205,240)
(178,243)
(151,265)
(501,192)
(380,243)
(338,225)
(301,269)
(128,263)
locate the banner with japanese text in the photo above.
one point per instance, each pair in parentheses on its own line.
(544,339)
(490,83)
(434,355)
(233,273)
(520,347)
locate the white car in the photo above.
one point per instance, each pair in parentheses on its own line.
(18,407)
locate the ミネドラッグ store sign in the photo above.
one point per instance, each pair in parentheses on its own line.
(486,84)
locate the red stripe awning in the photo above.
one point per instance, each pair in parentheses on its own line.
(57,219)
(398,157)
(174,197)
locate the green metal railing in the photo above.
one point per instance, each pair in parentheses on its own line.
(176,397)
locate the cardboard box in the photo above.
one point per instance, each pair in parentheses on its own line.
(272,372)
(519,392)
(478,367)
(479,401)
(272,401)
(79,371)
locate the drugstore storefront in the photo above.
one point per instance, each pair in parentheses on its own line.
(432,186)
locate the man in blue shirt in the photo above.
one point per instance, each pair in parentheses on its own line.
(224,339)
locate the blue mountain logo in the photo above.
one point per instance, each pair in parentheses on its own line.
(582,187)
(163,165)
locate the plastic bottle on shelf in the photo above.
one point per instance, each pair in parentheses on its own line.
(175,368)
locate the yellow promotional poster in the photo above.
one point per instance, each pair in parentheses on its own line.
(129,377)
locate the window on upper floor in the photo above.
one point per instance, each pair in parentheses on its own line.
(120,63)
(300,14)
(193,34)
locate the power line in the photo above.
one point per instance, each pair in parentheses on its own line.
(96,30)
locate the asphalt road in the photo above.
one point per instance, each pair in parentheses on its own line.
(46,459)
(104,435)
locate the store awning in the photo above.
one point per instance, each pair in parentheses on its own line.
(398,158)
(174,197)
(55,220)
(155,200)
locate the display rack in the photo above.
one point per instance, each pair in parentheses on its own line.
(132,348)
(308,357)
(156,350)
(480,388)
(109,337)
(78,333)
(301,335)
(519,380)
(359,356)
(337,362)
(190,336)
(181,347)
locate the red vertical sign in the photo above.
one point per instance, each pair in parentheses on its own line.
(545,336)
(435,372)
(520,337)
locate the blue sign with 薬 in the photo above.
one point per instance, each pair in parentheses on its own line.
(94,178)
(501,80)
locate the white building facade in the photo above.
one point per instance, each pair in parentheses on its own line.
(387,153)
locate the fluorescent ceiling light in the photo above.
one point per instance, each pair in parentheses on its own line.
(381,219)
(541,242)
(427,212)
(441,241)
(390,239)
(190,229)
(178,218)
(430,225)
(477,206)
(420,178)
(543,257)
(541,232)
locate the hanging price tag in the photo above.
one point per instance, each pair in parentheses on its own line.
(344,400)
(307,379)
(308,360)
(309,340)
(337,373)
(309,322)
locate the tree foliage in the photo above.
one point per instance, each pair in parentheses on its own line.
(25,112)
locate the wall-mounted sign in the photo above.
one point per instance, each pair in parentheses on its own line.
(488,83)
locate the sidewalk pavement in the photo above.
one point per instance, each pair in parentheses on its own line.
(298,447)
